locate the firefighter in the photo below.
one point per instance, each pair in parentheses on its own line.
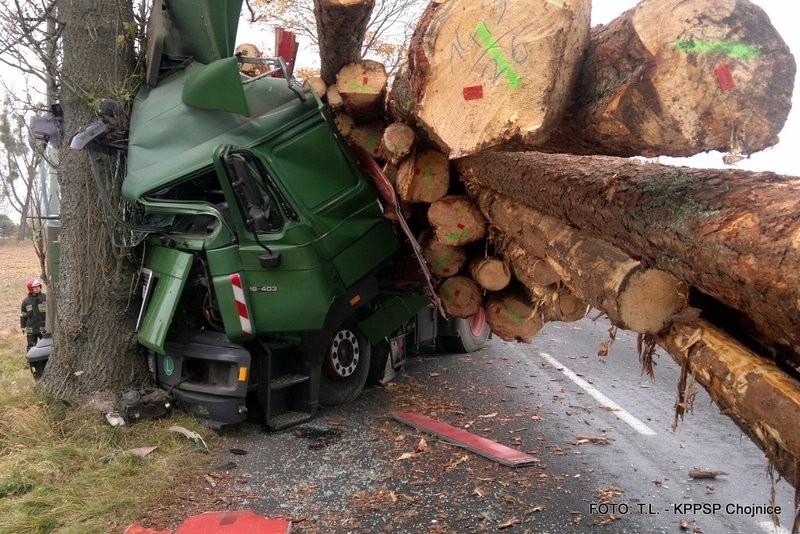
(33,311)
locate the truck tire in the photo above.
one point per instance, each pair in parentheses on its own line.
(345,367)
(470,335)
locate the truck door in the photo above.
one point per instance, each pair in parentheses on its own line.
(284,283)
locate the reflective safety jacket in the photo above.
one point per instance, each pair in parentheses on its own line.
(32,313)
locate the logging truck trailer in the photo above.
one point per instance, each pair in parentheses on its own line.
(273,275)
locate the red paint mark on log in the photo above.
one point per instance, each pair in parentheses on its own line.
(460,226)
(474,92)
(365,81)
(477,444)
(724,77)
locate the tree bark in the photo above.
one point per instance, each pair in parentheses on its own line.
(341,25)
(680,77)
(732,235)
(633,296)
(484,74)
(760,398)
(95,353)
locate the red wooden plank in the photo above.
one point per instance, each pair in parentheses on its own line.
(477,444)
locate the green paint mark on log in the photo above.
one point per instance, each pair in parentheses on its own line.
(503,66)
(728,48)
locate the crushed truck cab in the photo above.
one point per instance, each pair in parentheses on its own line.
(271,280)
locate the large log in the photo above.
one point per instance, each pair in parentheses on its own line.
(634,296)
(732,235)
(362,87)
(341,25)
(481,74)
(680,77)
(762,400)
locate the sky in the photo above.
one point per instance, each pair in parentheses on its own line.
(779,158)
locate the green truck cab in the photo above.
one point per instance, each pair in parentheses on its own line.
(272,282)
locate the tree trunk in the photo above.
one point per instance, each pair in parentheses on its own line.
(95,353)
(483,74)
(762,400)
(341,25)
(730,234)
(680,77)
(633,296)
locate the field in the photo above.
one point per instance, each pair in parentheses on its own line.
(63,469)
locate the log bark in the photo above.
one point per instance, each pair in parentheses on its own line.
(460,296)
(362,86)
(760,398)
(341,25)
(491,273)
(456,220)
(680,77)
(513,317)
(485,74)
(633,296)
(732,235)
(425,177)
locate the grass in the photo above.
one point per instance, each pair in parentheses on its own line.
(62,468)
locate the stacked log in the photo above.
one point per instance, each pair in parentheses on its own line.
(482,74)
(544,236)
(710,75)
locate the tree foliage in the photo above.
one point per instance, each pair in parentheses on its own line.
(388,33)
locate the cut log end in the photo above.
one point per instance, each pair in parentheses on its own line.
(456,220)
(444,260)
(492,274)
(424,177)
(461,297)
(650,299)
(512,317)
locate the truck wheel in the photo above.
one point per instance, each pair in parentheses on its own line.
(345,368)
(471,335)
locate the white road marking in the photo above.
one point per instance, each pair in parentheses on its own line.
(767,526)
(637,425)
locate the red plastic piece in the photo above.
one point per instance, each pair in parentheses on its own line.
(239,522)
(477,444)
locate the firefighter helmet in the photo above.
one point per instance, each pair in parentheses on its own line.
(35,282)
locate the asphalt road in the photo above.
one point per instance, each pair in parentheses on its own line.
(608,458)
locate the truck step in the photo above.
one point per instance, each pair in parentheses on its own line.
(285,381)
(287,419)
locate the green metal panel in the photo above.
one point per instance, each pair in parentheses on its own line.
(171,268)
(293,297)
(217,87)
(391,314)
(170,140)
(206,29)
(377,245)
